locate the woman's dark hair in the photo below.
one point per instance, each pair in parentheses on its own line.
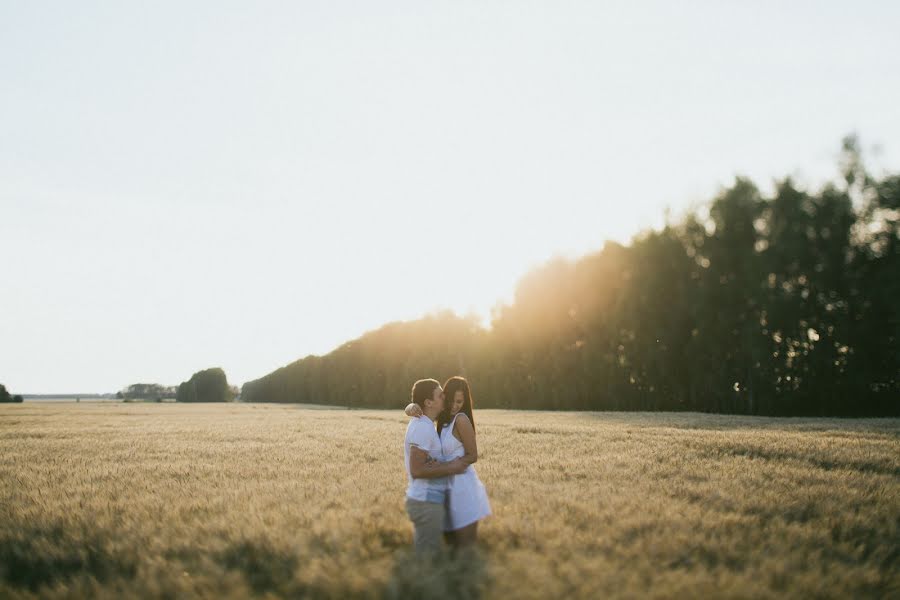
(422,390)
(453,385)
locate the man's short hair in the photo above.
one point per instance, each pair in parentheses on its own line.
(422,390)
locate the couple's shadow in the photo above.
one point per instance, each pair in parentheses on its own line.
(451,573)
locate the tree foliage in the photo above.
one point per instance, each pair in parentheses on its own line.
(209,385)
(786,304)
(147,391)
(5,396)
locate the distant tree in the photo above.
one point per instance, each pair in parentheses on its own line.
(147,391)
(209,385)
(187,392)
(4,395)
(18,398)
(119,395)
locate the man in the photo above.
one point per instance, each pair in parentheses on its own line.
(427,474)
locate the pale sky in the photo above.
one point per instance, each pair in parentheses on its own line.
(240,184)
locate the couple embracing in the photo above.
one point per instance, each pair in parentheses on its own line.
(445,498)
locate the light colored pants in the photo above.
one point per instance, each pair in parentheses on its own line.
(428,521)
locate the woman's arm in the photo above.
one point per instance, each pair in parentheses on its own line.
(422,466)
(413,410)
(467,437)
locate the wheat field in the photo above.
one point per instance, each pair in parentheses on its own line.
(112,500)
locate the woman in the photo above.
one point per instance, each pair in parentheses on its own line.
(456,427)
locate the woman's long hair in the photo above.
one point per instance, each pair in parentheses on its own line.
(453,385)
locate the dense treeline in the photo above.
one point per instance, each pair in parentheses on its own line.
(781,305)
(209,385)
(147,391)
(5,396)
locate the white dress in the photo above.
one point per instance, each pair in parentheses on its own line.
(468,499)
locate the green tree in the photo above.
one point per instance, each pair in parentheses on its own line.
(209,385)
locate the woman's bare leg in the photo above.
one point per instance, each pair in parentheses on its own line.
(450,538)
(466,536)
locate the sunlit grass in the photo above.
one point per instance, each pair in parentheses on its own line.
(167,500)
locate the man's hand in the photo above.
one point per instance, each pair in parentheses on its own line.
(413,410)
(422,466)
(457,466)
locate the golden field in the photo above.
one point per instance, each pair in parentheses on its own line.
(113,500)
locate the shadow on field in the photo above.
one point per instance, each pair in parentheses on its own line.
(35,556)
(462,574)
(265,567)
(886,427)
(272,571)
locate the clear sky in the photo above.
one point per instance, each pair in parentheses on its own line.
(240,184)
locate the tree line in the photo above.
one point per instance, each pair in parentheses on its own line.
(5,396)
(780,304)
(147,391)
(208,385)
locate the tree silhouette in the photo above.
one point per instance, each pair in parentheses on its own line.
(781,305)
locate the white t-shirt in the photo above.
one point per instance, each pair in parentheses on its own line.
(421,433)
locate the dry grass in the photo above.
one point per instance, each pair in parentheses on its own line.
(110,500)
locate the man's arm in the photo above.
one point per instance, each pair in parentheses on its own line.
(422,466)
